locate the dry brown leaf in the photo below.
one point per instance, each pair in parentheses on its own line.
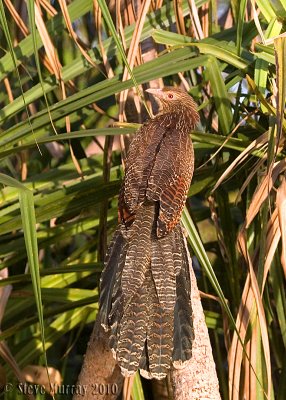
(16,17)
(235,355)
(177,4)
(132,52)
(48,7)
(272,39)
(255,13)
(72,33)
(227,139)
(184,81)
(247,312)
(98,24)
(129,11)
(236,352)
(263,190)
(255,145)
(281,205)
(19,21)
(196,20)
(127,388)
(117,14)
(56,68)
(204,17)
(253,173)
(120,29)
(229,22)
(259,305)
(8,89)
(47,42)
(68,129)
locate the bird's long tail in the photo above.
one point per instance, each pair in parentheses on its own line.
(145,297)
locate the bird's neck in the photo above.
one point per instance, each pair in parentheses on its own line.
(181,118)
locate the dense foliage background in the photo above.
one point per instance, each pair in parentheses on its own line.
(64,72)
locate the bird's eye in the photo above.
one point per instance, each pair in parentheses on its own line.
(170,96)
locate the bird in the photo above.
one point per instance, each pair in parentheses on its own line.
(145,304)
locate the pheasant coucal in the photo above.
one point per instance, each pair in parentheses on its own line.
(145,285)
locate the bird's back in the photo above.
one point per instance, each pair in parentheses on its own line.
(159,167)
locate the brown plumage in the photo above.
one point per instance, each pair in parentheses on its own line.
(145,286)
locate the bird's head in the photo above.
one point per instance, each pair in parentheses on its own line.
(173,99)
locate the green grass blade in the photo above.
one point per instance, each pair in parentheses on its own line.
(198,248)
(137,390)
(266,9)
(222,50)
(27,208)
(240,22)
(220,94)
(60,326)
(280,51)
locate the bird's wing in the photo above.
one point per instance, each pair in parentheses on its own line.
(139,164)
(170,178)
(159,168)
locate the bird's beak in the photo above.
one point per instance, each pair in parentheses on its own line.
(155,92)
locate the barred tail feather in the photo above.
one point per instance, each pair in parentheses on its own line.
(145,340)
(110,282)
(163,271)
(183,322)
(138,253)
(158,349)
(132,335)
(145,298)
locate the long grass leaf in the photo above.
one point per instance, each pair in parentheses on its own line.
(280,51)
(240,21)
(29,227)
(201,254)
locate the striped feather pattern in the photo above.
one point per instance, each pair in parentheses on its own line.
(159,335)
(110,281)
(132,333)
(163,271)
(183,322)
(145,286)
(148,311)
(138,254)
